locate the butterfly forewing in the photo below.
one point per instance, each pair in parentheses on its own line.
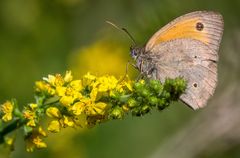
(205,26)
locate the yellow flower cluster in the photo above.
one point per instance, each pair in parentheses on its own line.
(7,110)
(84,103)
(34,139)
(29,113)
(80,101)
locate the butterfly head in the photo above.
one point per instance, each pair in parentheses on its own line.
(136,52)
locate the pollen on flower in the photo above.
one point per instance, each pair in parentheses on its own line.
(7,110)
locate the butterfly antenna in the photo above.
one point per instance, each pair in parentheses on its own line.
(124,30)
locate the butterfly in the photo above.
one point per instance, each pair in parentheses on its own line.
(188,47)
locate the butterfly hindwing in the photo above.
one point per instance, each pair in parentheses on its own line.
(192,60)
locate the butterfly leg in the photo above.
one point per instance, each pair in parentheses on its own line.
(126,70)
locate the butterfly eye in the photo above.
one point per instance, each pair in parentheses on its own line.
(134,53)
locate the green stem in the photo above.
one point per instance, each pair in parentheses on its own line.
(11,127)
(21,121)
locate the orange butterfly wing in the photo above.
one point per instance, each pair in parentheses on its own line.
(203,26)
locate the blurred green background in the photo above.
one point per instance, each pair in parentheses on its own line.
(40,37)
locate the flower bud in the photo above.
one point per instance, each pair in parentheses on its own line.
(117,113)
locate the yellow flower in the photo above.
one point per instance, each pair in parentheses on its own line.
(41,131)
(78,108)
(68,121)
(56,80)
(9,141)
(7,109)
(39,143)
(33,106)
(42,86)
(66,100)
(106,83)
(89,76)
(54,126)
(86,100)
(119,88)
(112,82)
(93,94)
(68,95)
(30,116)
(53,112)
(81,120)
(76,85)
(34,140)
(100,108)
(96,109)
(60,91)
(29,145)
(31,123)
(51,79)
(72,92)
(88,79)
(128,83)
(68,76)
(125,108)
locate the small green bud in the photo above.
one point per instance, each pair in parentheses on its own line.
(117,113)
(160,108)
(153,101)
(156,85)
(139,100)
(138,85)
(165,94)
(115,96)
(145,109)
(132,103)
(161,102)
(136,112)
(145,93)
